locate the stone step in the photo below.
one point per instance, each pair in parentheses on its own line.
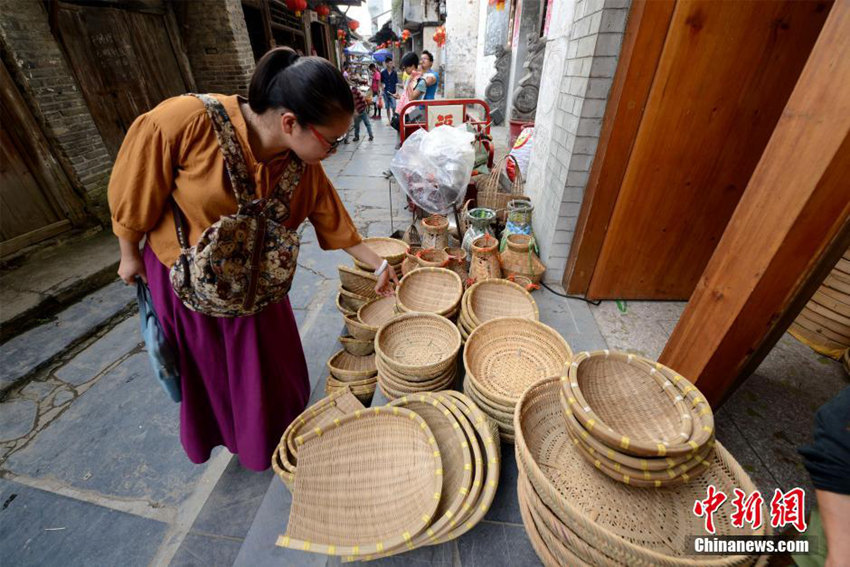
(33,350)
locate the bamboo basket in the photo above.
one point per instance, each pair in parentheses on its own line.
(505,356)
(490,299)
(377,312)
(430,290)
(418,344)
(359,282)
(358,330)
(490,195)
(349,368)
(357,347)
(387,452)
(432,258)
(630,525)
(351,301)
(392,250)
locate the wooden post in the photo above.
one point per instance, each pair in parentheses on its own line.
(792,221)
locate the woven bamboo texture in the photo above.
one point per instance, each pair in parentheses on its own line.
(381,455)
(418,344)
(490,195)
(377,312)
(505,356)
(430,290)
(358,330)
(357,347)
(347,367)
(359,282)
(392,250)
(630,525)
(433,258)
(491,299)
(351,301)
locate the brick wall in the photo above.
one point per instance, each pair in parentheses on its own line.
(218,46)
(38,66)
(581,57)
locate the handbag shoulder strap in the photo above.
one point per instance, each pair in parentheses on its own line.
(234,158)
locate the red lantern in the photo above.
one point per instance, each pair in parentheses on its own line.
(340,34)
(297,6)
(398,44)
(440,36)
(323,11)
(353,24)
(405,35)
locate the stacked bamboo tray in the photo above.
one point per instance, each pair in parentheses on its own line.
(380,481)
(574,515)
(635,420)
(416,352)
(505,356)
(824,323)
(357,374)
(430,290)
(490,299)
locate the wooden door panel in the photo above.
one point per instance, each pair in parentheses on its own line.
(724,76)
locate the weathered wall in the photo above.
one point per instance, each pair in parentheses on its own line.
(583,48)
(462,17)
(218,46)
(38,66)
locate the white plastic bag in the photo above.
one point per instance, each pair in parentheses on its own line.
(434,167)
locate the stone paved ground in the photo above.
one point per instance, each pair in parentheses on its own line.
(91,468)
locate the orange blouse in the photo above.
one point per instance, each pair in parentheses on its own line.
(173,150)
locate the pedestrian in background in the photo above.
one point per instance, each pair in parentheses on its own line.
(376,89)
(360,114)
(389,78)
(432,78)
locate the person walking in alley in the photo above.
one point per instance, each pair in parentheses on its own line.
(361,114)
(389,79)
(432,78)
(218,187)
(375,77)
(414,89)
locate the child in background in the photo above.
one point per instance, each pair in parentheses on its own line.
(360,114)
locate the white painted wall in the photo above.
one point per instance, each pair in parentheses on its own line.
(462,18)
(484,67)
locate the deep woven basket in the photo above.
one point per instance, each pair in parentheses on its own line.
(349,368)
(370,483)
(430,290)
(359,282)
(505,356)
(418,344)
(357,347)
(358,330)
(377,312)
(350,301)
(490,299)
(392,250)
(631,525)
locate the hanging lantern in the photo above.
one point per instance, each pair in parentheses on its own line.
(340,34)
(323,11)
(353,25)
(405,35)
(440,36)
(297,6)
(398,44)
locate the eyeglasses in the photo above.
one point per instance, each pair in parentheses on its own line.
(331,145)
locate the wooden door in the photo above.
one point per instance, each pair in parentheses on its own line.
(124,61)
(724,74)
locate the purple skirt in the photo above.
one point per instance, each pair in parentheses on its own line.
(243,379)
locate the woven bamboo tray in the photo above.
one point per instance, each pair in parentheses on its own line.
(501,419)
(631,525)
(398,386)
(622,402)
(348,368)
(418,344)
(358,330)
(377,312)
(392,250)
(358,281)
(381,456)
(430,290)
(487,433)
(350,301)
(357,347)
(490,299)
(447,376)
(504,356)
(541,548)
(366,384)
(343,307)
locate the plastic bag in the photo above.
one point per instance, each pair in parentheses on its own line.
(434,167)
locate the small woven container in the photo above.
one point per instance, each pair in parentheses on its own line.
(358,330)
(629,406)
(332,384)
(392,250)
(377,312)
(409,264)
(433,258)
(343,308)
(491,299)
(357,347)
(358,281)
(386,453)
(430,290)
(435,232)
(632,526)
(418,344)
(505,356)
(349,368)
(350,301)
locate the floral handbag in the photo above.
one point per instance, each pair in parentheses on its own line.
(244,261)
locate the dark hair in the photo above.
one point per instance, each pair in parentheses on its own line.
(345,65)
(310,87)
(429,54)
(409,59)
(372,66)
(388,59)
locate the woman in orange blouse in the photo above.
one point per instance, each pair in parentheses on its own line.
(243,379)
